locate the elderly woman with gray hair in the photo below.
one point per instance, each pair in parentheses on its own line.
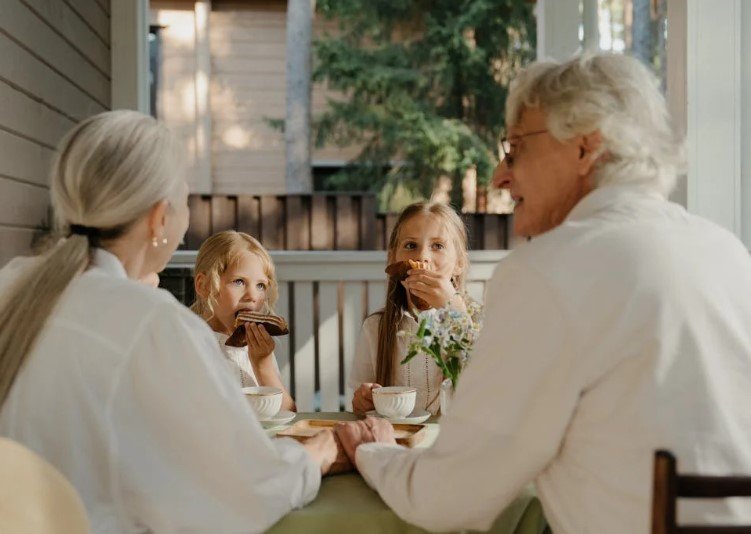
(117,384)
(621,327)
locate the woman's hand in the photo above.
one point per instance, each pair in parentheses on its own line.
(324,449)
(371,429)
(260,343)
(435,289)
(362,401)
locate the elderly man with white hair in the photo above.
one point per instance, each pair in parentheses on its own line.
(623,326)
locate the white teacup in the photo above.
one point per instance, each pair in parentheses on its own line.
(266,401)
(394,401)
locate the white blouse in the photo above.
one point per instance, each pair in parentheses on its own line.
(239,363)
(127,394)
(625,330)
(421,372)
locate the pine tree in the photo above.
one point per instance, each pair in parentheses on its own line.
(424,85)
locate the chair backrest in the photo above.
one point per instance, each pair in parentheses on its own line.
(669,486)
(34,496)
(325,296)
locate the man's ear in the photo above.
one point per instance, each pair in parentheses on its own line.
(200,284)
(590,150)
(157,219)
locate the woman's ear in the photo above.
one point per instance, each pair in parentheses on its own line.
(157,219)
(200,284)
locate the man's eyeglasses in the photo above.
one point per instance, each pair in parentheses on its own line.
(508,155)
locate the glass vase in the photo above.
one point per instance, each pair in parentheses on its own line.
(447,395)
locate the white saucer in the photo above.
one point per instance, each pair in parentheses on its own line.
(281,418)
(415,418)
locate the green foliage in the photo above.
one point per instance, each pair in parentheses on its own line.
(425,84)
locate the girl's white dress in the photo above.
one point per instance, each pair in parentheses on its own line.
(420,372)
(239,362)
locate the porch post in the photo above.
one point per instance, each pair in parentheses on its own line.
(130,54)
(558,24)
(203,183)
(591,25)
(297,133)
(705,91)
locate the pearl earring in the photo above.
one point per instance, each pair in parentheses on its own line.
(154,243)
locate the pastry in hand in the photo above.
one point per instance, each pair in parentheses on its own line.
(399,271)
(274,325)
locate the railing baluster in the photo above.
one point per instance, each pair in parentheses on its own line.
(304,347)
(376,296)
(328,345)
(352,317)
(282,343)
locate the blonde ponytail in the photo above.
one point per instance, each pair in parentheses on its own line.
(109,171)
(23,314)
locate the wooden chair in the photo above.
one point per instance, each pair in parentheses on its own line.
(669,486)
(36,497)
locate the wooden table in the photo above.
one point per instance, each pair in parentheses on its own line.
(345,503)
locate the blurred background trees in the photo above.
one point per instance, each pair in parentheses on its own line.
(423,87)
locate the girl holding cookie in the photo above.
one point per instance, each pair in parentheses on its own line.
(428,262)
(234,273)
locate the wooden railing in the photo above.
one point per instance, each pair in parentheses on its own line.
(325,296)
(319,222)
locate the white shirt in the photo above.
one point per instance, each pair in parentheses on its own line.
(128,395)
(624,330)
(421,372)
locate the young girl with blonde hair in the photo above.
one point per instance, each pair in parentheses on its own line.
(233,272)
(434,234)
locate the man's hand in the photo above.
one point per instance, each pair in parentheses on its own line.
(342,463)
(371,429)
(362,402)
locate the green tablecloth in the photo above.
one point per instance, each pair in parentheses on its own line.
(346,504)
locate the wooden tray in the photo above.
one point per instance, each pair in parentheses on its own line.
(407,435)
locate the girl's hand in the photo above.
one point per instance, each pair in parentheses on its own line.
(260,343)
(362,401)
(430,286)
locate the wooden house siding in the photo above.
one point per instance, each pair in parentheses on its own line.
(55,69)
(246,43)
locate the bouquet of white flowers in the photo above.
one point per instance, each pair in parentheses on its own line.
(447,336)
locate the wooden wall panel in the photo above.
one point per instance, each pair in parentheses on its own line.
(75,30)
(23,25)
(54,71)
(14,242)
